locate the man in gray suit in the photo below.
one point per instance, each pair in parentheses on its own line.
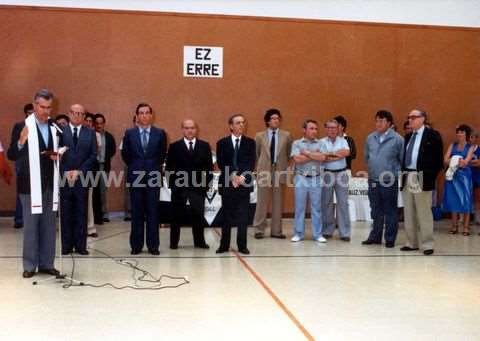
(273,151)
(37,198)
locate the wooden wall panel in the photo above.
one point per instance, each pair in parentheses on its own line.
(110,61)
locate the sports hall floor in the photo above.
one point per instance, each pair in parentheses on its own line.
(281,291)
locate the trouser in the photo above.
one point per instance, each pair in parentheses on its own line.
(338,182)
(271,192)
(235,213)
(383,204)
(144,201)
(305,188)
(197,207)
(38,234)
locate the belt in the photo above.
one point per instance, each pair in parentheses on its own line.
(308,175)
(410,170)
(335,170)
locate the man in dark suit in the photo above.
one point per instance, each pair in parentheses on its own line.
(236,160)
(422,161)
(106,150)
(38,210)
(78,161)
(143,151)
(189,169)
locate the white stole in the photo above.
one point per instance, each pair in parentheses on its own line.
(34,162)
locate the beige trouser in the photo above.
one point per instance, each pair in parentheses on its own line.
(418,215)
(265,194)
(91,226)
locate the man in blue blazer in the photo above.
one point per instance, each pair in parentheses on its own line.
(236,156)
(143,151)
(76,163)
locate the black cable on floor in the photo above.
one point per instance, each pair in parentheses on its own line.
(133,264)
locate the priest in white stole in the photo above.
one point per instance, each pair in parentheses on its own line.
(33,145)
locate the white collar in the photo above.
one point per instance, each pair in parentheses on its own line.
(420,130)
(73,127)
(234,138)
(187,142)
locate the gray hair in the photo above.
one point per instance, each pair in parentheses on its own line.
(43,93)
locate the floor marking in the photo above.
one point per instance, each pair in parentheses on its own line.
(272,294)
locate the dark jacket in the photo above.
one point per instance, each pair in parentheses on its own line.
(110,150)
(82,157)
(22,163)
(430,157)
(136,160)
(181,164)
(246,164)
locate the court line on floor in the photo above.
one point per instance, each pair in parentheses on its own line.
(276,299)
(78,257)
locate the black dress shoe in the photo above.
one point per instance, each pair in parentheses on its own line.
(127,219)
(154,252)
(66,252)
(106,220)
(389,244)
(28,274)
(135,252)
(98,222)
(345,239)
(83,252)
(202,246)
(259,235)
(221,250)
(428,252)
(173,247)
(408,248)
(370,242)
(17,225)
(279,236)
(93,235)
(53,272)
(327,236)
(245,251)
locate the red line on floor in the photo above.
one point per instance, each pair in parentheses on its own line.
(272,294)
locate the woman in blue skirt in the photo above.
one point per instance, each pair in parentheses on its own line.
(475,166)
(458,192)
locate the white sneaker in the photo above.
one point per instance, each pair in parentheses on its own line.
(296,238)
(320,239)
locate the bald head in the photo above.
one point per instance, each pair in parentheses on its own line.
(189,129)
(76,114)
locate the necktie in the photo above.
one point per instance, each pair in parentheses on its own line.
(190,147)
(144,140)
(75,136)
(408,156)
(272,148)
(235,154)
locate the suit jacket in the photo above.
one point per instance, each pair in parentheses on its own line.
(22,163)
(82,157)
(138,161)
(284,148)
(195,165)
(110,150)
(430,157)
(245,162)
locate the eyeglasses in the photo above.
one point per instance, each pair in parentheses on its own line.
(77,112)
(331,127)
(413,117)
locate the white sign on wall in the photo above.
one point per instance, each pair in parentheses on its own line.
(203,61)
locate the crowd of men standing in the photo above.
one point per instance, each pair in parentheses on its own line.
(321,167)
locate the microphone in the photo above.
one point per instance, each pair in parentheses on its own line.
(53,124)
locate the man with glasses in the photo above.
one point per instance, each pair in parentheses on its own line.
(383,152)
(335,179)
(75,165)
(422,161)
